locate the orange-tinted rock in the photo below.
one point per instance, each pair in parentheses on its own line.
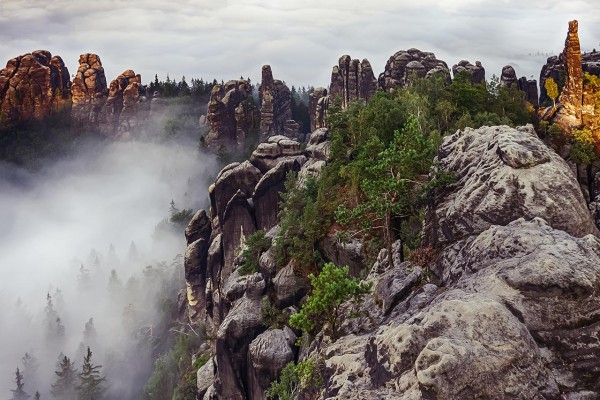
(88,91)
(32,86)
(572,92)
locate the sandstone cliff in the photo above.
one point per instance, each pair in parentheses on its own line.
(88,91)
(275,99)
(352,80)
(231,114)
(33,86)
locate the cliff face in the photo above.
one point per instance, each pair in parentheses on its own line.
(231,114)
(88,91)
(352,80)
(572,91)
(404,64)
(275,99)
(33,86)
(125,107)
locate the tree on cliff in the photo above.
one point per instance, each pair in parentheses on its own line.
(551,90)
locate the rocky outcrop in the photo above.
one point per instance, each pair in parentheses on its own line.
(126,106)
(527,86)
(245,198)
(318,101)
(517,176)
(275,101)
(352,80)
(572,91)
(405,64)
(32,86)
(514,313)
(476,72)
(231,115)
(88,91)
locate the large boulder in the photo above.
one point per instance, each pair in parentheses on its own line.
(32,86)
(502,174)
(318,101)
(269,353)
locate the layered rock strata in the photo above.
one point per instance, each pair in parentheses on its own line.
(32,86)
(88,91)
(352,80)
(275,105)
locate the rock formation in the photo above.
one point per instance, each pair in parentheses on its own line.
(476,72)
(352,80)
(572,91)
(244,198)
(510,317)
(88,91)
(275,100)
(318,101)
(404,64)
(33,86)
(125,108)
(527,86)
(231,115)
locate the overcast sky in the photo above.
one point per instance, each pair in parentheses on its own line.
(300,39)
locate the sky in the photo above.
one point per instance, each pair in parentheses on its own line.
(300,39)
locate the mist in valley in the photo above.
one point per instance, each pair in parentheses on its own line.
(88,257)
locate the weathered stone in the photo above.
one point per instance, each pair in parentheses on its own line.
(205,377)
(413,62)
(476,72)
(278,148)
(503,174)
(572,92)
(289,288)
(351,80)
(230,115)
(317,108)
(528,87)
(396,284)
(266,196)
(199,227)
(88,91)
(275,100)
(33,86)
(508,76)
(269,353)
(343,252)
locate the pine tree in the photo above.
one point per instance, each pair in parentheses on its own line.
(37,395)
(91,383)
(89,334)
(30,368)
(19,393)
(66,378)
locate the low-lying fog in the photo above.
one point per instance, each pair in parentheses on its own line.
(63,231)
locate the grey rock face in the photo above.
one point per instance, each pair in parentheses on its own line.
(503,174)
(476,72)
(407,63)
(352,80)
(269,353)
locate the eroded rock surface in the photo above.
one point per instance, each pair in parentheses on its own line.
(275,100)
(502,174)
(32,86)
(413,62)
(352,80)
(89,91)
(476,72)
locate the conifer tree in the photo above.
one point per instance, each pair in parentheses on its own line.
(19,393)
(66,379)
(91,383)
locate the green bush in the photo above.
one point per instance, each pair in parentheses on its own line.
(294,378)
(330,289)
(254,246)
